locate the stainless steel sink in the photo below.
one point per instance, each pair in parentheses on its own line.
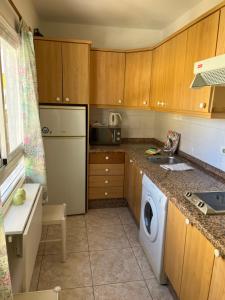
(164,160)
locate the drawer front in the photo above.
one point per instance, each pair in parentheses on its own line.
(106,158)
(105,193)
(105,181)
(106,169)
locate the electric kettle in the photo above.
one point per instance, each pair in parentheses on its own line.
(114,119)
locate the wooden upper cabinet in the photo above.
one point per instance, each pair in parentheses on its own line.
(201,44)
(221,35)
(217,288)
(174,246)
(197,267)
(137,78)
(107,77)
(49,71)
(75,73)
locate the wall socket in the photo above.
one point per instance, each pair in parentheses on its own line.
(222,150)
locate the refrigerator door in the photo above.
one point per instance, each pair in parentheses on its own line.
(63,120)
(66,172)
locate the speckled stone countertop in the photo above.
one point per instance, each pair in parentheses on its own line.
(175,184)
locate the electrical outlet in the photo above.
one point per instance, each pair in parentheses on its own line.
(222,150)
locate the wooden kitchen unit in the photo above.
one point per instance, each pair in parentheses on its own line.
(62,70)
(106,175)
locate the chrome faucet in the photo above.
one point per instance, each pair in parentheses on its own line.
(171,149)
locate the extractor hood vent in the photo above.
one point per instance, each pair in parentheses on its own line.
(209,72)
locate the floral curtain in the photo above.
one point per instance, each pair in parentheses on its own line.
(33,144)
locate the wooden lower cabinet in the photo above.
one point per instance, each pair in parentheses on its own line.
(174,246)
(217,287)
(133,187)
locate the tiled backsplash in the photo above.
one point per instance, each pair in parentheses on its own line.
(201,138)
(135,123)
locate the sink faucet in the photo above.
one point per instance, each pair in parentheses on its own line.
(170,150)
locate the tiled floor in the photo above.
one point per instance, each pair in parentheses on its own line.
(104,260)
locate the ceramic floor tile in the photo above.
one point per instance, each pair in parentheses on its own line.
(132,234)
(78,294)
(113,266)
(107,237)
(43,237)
(157,291)
(75,221)
(36,273)
(143,263)
(125,216)
(136,290)
(102,217)
(75,272)
(76,240)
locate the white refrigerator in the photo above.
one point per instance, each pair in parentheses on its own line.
(65,144)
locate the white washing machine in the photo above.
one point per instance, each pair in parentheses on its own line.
(152,226)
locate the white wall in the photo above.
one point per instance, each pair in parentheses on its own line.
(103,36)
(135,124)
(190,15)
(200,137)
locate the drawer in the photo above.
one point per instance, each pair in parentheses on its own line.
(105,193)
(105,181)
(106,169)
(106,158)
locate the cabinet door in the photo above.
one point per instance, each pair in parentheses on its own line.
(137,78)
(221,35)
(137,193)
(197,267)
(201,44)
(130,182)
(75,73)
(217,288)
(157,90)
(174,246)
(107,77)
(49,71)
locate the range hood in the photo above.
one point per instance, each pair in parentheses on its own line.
(209,72)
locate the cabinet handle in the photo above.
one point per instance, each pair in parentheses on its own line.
(131,161)
(158,103)
(107,158)
(106,194)
(202,105)
(141,172)
(217,253)
(187,221)
(106,181)
(144,102)
(107,170)
(67,99)
(119,101)
(58,99)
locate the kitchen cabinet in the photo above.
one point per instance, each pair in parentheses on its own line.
(49,71)
(62,71)
(217,287)
(133,187)
(137,79)
(107,77)
(174,246)
(201,44)
(197,266)
(106,175)
(221,40)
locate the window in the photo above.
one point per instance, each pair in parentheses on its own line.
(11,131)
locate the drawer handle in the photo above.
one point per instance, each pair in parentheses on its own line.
(187,221)
(107,170)
(141,172)
(131,161)
(67,99)
(58,99)
(217,253)
(106,194)
(106,181)
(107,158)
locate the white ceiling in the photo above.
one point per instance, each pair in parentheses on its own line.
(151,14)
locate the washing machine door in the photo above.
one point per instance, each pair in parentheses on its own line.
(150,219)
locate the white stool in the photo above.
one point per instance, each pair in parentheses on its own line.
(56,215)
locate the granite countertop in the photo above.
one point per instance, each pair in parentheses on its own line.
(174,187)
